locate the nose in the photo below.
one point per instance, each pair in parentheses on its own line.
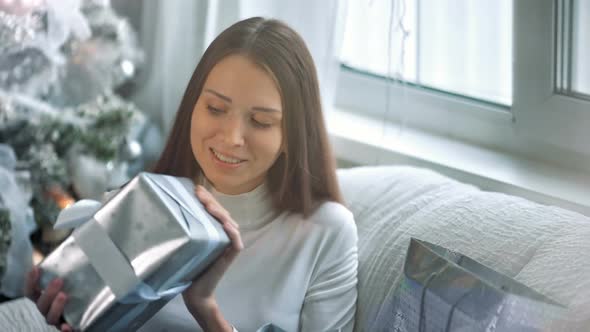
(233,131)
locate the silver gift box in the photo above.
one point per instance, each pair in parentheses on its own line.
(442,290)
(134,254)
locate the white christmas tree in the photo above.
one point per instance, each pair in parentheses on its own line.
(67,132)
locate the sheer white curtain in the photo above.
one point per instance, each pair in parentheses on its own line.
(172,34)
(459,46)
(175,33)
(320,23)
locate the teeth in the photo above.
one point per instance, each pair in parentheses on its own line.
(225,158)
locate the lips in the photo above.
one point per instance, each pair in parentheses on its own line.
(226,158)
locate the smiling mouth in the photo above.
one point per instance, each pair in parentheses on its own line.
(226,159)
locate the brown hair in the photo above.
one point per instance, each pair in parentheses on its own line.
(304,174)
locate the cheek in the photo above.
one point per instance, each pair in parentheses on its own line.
(269,145)
(200,127)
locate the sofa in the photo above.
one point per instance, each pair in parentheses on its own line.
(546,248)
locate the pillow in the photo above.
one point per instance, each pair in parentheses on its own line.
(446,291)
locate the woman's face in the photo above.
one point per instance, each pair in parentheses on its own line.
(236,130)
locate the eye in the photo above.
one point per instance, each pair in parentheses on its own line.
(214,111)
(259,124)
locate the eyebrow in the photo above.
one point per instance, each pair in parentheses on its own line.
(229,100)
(226,98)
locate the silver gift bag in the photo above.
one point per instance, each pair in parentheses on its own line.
(445,291)
(128,257)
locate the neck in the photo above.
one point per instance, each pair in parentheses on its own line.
(251,210)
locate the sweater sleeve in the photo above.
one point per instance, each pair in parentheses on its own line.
(330,301)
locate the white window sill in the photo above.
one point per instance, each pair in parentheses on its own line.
(362,140)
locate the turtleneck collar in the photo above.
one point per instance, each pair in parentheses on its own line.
(250,210)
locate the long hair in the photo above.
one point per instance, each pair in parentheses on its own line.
(304,174)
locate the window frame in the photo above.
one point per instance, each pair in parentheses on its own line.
(527,129)
(540,111)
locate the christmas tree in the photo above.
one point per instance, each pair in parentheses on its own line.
(66,132)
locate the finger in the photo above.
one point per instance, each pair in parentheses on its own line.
(230,253)
(31,284)
(223,216)
(213,206)
(220,214)
(235,237)
(203,194)
(220,266)
(66,328)
(207,198)
(56,309)
(48,296)
(233,222)
(199,188)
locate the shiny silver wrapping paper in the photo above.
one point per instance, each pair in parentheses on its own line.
(445,291)
(165,235)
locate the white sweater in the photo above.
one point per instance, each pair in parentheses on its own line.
(299,274)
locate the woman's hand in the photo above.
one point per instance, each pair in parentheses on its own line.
(50,301)
(199,297)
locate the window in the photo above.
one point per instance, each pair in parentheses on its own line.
(487,72)
(542,45)
(458,46)
(581,48)
(572,49)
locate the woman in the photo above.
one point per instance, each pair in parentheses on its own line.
(250,130)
